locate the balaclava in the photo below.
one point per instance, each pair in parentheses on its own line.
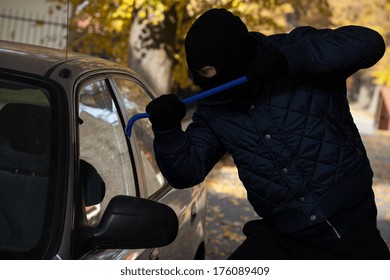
(219,39)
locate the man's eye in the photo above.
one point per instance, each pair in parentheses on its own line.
(207,71)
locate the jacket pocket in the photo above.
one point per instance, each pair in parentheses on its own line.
(338,130)
(348,141)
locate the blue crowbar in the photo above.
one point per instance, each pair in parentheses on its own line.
(190,99)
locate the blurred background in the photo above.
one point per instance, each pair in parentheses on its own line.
(148,36)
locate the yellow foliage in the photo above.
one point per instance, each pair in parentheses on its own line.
(382,77)
(109,22)
(117,25)
(382,70)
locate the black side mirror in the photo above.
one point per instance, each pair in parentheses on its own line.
(135,223)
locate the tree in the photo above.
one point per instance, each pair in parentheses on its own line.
(152,32)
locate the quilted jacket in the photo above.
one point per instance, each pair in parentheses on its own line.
(296,148)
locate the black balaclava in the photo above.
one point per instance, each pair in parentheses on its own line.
(219,39)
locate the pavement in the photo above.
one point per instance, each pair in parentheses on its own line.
(228,208)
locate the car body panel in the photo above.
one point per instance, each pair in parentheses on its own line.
(67,72)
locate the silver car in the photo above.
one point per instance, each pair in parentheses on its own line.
(72,185)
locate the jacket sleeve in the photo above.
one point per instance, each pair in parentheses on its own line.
(185,158)
(344,50)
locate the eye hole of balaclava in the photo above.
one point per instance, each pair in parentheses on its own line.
(218,48)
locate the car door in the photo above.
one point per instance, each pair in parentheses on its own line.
(30,194)
(104,157)
(189,204)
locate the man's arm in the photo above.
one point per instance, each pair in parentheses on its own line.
(344,50)
(185,158)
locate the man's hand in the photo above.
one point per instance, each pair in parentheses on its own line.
(166,112)
(267,67)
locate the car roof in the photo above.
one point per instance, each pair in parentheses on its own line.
(38,60)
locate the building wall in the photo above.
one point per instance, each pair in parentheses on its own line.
(35,22)
(384,109)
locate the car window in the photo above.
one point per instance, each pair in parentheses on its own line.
(25,153)
(104,154)
(135,99)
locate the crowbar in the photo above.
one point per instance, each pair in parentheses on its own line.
(190,99)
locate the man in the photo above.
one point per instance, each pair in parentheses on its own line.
(289,131)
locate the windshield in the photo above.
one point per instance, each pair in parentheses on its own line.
(25,148)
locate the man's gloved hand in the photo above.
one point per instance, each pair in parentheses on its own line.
(166,112)
(267,67)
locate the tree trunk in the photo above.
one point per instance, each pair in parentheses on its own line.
(151,51)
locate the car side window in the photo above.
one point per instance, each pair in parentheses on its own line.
(26,148)
(135,99)
(105,165)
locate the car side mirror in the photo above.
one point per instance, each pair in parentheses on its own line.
(134,223)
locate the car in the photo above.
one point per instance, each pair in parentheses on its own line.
(73,185)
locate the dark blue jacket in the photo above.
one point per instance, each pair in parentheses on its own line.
(297,149)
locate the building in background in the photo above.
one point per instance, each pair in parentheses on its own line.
(37,22)
(383,113)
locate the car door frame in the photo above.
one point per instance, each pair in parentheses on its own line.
(154,252)
(166,193)
(134,158)
(134,144)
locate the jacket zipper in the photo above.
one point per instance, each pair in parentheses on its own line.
(334,229)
